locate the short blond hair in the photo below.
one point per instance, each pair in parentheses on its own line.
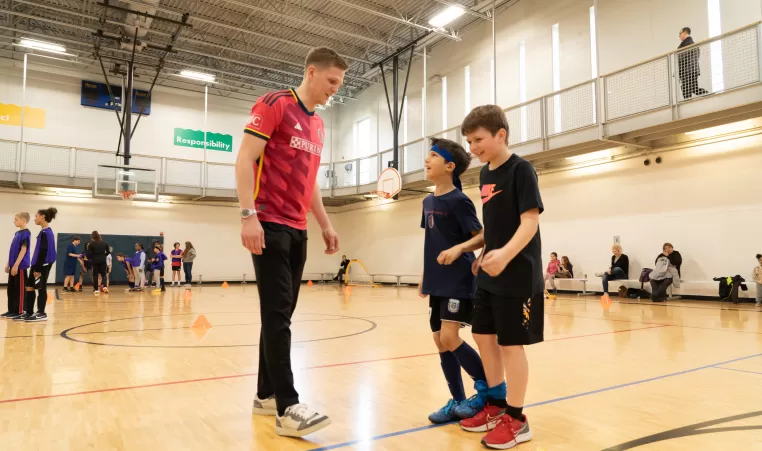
(23,216)
(616,247)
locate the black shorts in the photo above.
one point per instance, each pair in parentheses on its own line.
(446,309)
(515,321)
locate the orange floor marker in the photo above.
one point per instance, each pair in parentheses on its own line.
(188,295)
(76,287)
(201,323)
(224,284)
(309,283)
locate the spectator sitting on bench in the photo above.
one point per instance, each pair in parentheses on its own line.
(552,271)
(663,275)
(619,269)
(565,269)
(342,268)
(674,257)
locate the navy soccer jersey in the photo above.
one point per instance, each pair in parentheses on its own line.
(449,220)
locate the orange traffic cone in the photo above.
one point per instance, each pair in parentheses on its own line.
(224,284)
(309,283)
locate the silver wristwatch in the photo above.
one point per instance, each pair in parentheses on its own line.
(247,213)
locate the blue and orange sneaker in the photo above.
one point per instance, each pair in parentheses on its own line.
(445,414)
(473,405)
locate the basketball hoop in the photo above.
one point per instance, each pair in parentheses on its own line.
(389,184)
(127,194)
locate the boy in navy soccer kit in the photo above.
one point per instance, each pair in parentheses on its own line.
(18,263)
(452,230)
(509,306)
(157,266)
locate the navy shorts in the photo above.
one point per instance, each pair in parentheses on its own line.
(446,309)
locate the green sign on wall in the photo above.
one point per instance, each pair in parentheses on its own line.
(195,139)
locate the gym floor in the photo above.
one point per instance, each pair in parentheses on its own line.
(126,371)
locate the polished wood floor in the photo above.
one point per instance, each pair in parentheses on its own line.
(126,372)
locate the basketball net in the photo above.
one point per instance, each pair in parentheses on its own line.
(127,194)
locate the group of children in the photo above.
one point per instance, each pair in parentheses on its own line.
(25,286)
(136,267)
(500,293)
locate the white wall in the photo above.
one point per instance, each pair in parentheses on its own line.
(72,125)
(705,200)
(213,230)
(629,31)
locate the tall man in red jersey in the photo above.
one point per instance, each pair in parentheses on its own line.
(276,177)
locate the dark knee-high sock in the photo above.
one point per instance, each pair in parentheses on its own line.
(451,369)
(29,299)
(470,361)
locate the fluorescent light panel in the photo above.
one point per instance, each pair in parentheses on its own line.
(446,16)
(601,154)
(197,75)
(41,45)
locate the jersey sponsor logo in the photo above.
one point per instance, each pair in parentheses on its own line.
(256,120)
(306,145)
(298,126)
(488,192)
(430,221)
(453,306)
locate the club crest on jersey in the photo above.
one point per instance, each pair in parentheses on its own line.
(430,221)
(255,120)
(453,305)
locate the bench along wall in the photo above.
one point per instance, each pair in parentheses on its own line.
(705,200)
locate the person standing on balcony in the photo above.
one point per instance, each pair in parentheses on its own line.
(688,67)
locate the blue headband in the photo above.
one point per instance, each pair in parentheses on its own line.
(444,153)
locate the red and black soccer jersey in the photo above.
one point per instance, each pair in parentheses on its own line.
(285,174)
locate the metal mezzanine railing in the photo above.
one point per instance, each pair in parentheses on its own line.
(720,64)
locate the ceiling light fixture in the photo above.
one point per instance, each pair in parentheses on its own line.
(446,16)
(209,78)
(41,45)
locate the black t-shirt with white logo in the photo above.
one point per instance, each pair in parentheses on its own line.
(507,192)
(449,220)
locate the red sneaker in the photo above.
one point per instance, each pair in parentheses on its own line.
(483,421)
(508,433)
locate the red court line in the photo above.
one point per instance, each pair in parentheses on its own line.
(238,376)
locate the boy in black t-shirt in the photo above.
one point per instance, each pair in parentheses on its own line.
(509,306)
(453,232)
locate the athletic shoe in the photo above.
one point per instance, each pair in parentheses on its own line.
(484,421)
(97,293)
(13,316)
(265,406)
(508,433)
(298,420)
(599,274)
(23,317)
(37,317)
(6,315)
(445,414)
(156,290)
(473,405)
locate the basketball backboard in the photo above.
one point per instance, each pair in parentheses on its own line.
(126,182)
(389,183)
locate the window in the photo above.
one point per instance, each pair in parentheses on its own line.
(715,29)
(556,79)
(467,75)
(363,145)
(444,103)
(404,121)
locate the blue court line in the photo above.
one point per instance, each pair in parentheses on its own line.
(542,403)
(740,371)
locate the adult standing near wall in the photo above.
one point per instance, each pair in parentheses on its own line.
(189,254)
(98,253)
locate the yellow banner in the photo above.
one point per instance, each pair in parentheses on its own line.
(11,115)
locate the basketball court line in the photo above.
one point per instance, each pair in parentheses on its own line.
(667,304)
(243,375)
(542,403)
(740,371)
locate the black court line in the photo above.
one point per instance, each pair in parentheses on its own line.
(691,430)
(65,334)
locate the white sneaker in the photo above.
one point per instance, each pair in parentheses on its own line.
(298,420)
(599,274)
(265,406)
